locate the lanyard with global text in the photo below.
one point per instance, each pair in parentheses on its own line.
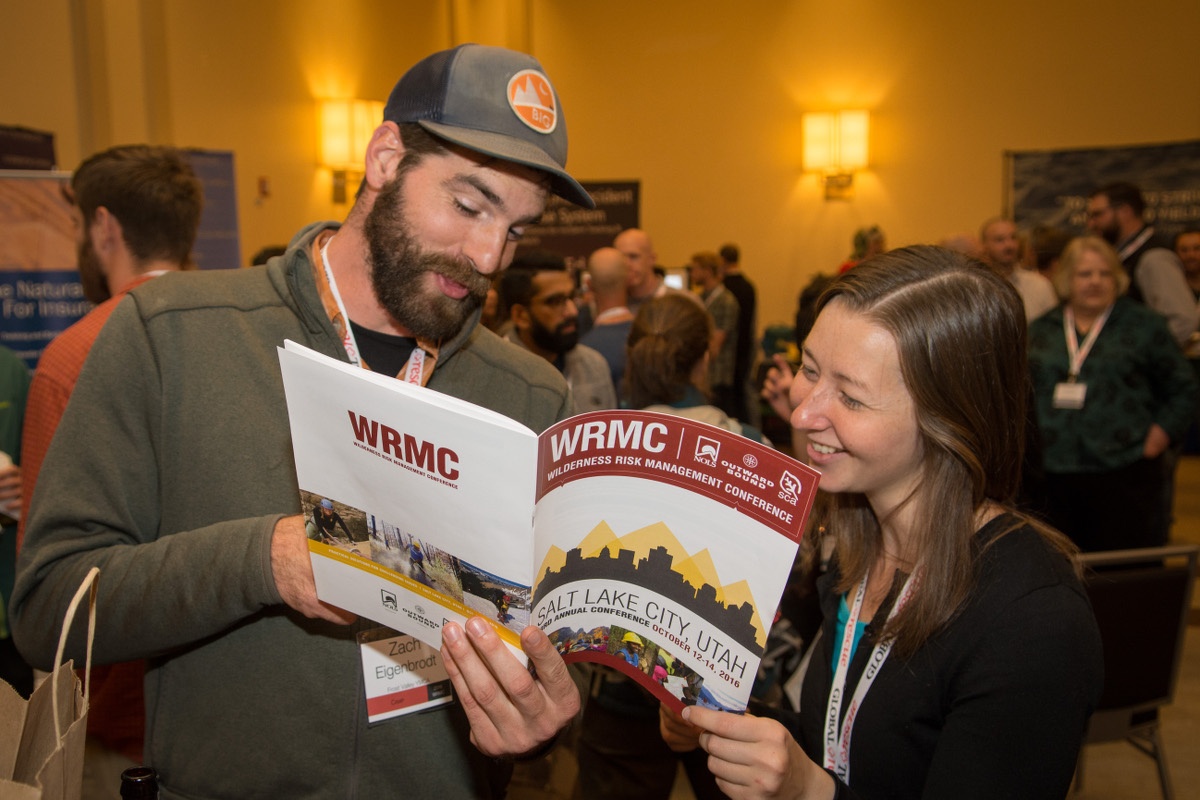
(837,744)
(413,370)
(1075,353)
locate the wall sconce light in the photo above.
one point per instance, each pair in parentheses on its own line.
(345,128)
(835,144)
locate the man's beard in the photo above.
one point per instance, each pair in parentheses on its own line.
(91,275)
(555,341)
(399,265)
(1110,234)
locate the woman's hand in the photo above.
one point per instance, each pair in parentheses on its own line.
(10,487)
(1157,441)
(776,385)
(754,757)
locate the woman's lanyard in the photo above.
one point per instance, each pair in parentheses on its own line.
(413,371)
(1075,353)
(837,744)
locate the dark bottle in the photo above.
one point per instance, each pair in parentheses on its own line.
(139,783)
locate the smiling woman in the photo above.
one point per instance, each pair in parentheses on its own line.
(958,656)
(858,417)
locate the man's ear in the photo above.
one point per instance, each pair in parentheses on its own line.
(106,232)
(384,153)
(519,315)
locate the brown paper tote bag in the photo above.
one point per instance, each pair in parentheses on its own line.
(41,740)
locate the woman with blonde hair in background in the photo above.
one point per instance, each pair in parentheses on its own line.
(1113,393)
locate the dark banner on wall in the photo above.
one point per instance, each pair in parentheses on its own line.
(575,232)
(26,148)
(40,294)
(217,244)
(1050,187)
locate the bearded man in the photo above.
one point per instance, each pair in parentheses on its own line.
(538,294)
(172,469)
(138,211)
(1116,212)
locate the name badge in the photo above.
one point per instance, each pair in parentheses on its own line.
(1069,395)
(401,674)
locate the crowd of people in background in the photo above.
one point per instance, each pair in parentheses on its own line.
(578,321)
(1141,396)
(1144,271)
(1109,410)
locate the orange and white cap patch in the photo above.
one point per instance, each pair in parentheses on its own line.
(532,100)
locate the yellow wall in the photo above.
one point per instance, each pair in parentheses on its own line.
(700,100)
(37,72)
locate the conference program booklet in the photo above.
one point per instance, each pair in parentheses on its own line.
(650,543)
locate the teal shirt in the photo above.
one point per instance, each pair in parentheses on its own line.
(1135,375)
(843,616)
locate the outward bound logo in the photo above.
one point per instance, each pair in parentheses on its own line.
(532,100)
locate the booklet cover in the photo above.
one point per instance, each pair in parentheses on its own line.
(650,543)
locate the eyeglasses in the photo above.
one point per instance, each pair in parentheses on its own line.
(555,301)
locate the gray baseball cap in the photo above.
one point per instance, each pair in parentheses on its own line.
(494,101)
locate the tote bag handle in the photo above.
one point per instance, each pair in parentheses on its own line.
(88,586)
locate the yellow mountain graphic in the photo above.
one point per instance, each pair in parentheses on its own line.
(643,540)
(696,568)
(739,592)
(555,560)
(601,537)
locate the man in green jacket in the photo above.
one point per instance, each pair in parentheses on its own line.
(172,468)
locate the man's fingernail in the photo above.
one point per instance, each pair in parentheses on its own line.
(478,628)
(452,634)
